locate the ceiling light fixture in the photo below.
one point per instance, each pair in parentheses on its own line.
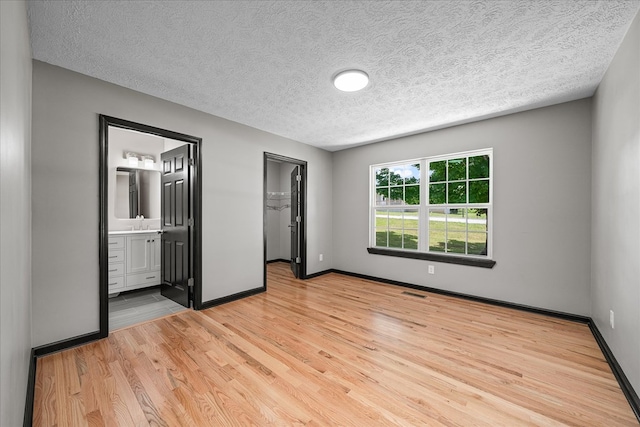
(148,161)
(132,159)
(351,80)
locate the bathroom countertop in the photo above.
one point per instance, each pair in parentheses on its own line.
(114,233)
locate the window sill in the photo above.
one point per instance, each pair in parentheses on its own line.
(449,259)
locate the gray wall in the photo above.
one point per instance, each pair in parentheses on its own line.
(15,210)
(65,196)
(542,165)
(615,272)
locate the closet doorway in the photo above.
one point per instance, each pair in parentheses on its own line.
(285,188)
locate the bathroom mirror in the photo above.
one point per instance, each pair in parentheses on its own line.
(137,193)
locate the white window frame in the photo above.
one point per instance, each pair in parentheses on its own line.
(424,206)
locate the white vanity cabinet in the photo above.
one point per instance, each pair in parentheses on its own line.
(143,260)
(134,260)
(116,259)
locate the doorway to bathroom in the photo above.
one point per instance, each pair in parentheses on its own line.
(285,184)
(150,222)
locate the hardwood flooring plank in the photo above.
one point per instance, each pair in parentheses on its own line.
(336,351)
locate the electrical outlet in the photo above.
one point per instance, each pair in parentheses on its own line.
(432,269)
(611,319)
(320,257)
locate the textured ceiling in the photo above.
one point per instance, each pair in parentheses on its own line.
(269,64)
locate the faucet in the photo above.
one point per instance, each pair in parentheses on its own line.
(140,225)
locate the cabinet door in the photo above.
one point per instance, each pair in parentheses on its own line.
(138,254)
(156,255)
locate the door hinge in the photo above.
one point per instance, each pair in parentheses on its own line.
(192,162)
(298,260)
(298,178)
(190,282)
(190,222)
(298,218)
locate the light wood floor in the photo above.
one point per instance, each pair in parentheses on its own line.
(335,351)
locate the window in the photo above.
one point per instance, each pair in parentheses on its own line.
(438,205)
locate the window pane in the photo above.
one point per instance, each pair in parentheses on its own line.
(382,196)
(457,192)
(477,220)
(412,195)
(410,219)
(396,196)
(437,226)
(382,218)
(395,239)
(457,169)
(382,177)
(457,216)
(436,240)
(411,229)
(455,220)
(477,244)
(410,239)
(456,242)
(437,194)
(479,167)
(479,191)
(437,171)
(395,220)
(412,174)
(456,230)
(381,238)
(382,223)
(437,219)
(394,177)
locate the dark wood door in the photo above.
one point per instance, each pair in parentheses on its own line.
(176,223)
(296,217)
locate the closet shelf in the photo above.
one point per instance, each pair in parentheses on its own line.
(275,200)
(278,208)
(278,195)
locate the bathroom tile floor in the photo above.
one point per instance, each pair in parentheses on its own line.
(139,306)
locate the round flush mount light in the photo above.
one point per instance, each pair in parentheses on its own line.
(351,80)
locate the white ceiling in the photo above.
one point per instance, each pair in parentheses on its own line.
(269,64)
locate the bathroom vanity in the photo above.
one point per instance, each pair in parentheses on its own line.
(134,259)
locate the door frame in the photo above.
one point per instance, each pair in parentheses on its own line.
(103,228)
(303,213)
